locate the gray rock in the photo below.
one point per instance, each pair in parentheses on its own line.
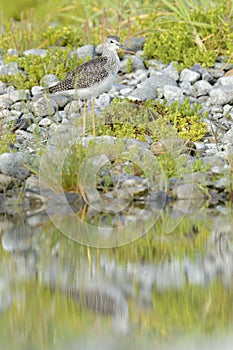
(24,122)
(189,75)
(9,69)
(171,71)
(137,63)
(12,52)
(102,101)
(139,75)
(4,113)
(203,72)
(43,107)
(60,100)
(23,136)
(7,182)
(45,122)
(11,119)
(14,164)
(228,137)
(5,102)
(216,73)
(188,191)
(227,109)
(142,94)
(58,117)
(222,183)
(3,87)
(135,44)
(202,87)
(49,79)
(158,81)
(186,88)
(221,95)
(99,49)
(216,109)
(38,130)
(224,81)
(172,92)
(19,95)
(84,52)
(41,52)
(73,106)
(222,66)
(37,90)
(201,100)
(126,90)
(21,106)
(155,66)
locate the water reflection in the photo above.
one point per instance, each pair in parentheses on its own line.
(131,289)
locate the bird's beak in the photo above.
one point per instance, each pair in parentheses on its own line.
(125,48)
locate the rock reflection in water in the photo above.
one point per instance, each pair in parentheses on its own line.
(95,294)
(103,287)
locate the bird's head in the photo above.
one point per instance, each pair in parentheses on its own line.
(113,43)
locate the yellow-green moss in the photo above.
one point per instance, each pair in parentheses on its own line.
(57,61)
(152,118)
(206,35)
(7,138)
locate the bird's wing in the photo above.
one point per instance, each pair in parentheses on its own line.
(84,76)
(90,72)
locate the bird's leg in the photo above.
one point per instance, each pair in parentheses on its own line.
(93,116)
(84,117)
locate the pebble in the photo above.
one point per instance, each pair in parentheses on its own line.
(221,95)
(84,52)
(136,61)
(172,93)
(12,52)
(73,106)
(142,93)
(171,71)
(19,95)
(49,79)
(39,52)
(45,122)
(135,44)
(15,165)
(188,191)
(157,81)
(42,107)
(202,87)
(189,75)
(9,69)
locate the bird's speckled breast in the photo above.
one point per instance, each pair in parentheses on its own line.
(97,89)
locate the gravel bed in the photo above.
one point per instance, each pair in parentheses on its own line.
(48,117)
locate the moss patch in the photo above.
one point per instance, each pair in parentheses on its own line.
(151,118)
(201,37)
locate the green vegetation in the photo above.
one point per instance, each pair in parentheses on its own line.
(190,36)
(125,119)
(23,36)
(7,138)
(152,118)
(35,67)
